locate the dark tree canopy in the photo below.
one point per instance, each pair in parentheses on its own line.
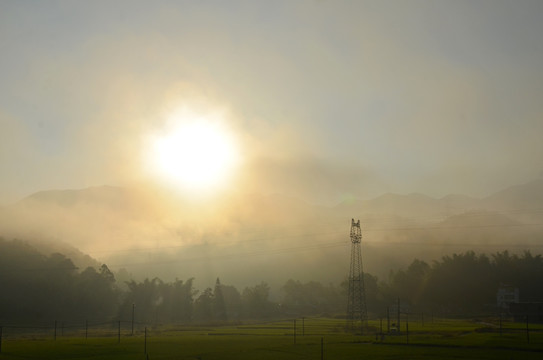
(43,288)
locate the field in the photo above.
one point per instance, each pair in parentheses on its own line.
(313,338)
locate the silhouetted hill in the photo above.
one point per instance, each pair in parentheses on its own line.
(127,202)
(270,234)
(49,247)
(514,200)
(110,196)
(455,203)
(412,205)
(404,205)
(478,219)
(528,196)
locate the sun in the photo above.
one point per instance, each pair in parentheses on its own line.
(193,151)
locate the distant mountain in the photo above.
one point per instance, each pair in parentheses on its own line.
(528,196)
(92,215)
(456,203)
(412,205)
(403,205)
(118,200)
(126,227)
(110,196)
(516,199)
(127,201)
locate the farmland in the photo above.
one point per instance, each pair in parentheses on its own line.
(312,338)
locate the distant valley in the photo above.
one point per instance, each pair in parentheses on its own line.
(248,238)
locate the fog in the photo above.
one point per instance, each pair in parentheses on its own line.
(272,238)
(340,110)
(415,98)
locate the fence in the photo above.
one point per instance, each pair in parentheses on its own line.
(414,329)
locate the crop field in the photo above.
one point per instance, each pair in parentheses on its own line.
(309,338)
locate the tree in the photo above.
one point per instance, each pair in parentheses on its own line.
(182,300)
(146,297)
(409,285)
(96,294)
(461,283)
(255,301)
(311,298)
(219,304)
(232,301)
(203,306)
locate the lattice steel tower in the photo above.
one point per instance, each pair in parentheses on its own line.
(357,312)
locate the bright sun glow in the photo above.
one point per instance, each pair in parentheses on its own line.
(194,152)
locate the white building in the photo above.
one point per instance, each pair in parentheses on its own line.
(506,295)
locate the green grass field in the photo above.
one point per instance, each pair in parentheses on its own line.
(443,339)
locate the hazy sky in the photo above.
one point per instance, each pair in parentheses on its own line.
(329,99)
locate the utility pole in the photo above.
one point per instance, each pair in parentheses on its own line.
(133,309)
(527,329)
(407,326)
(145,342)
(356,304)
(322,348)
(388,319)
(398,325)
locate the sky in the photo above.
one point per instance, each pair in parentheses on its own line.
(327,100)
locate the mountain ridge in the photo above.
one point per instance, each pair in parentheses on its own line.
(122,226)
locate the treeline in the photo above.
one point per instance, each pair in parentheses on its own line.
(468,282)
(38,287)
(35,287)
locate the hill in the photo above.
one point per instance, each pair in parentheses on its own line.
(155,234)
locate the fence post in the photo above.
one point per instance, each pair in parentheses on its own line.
(407,326)
(398,324)
(119,333)
(388,319)
(322,348)
(86,329)
(145,342)
(55,334)
(294,331)
(133,311)
(527,330)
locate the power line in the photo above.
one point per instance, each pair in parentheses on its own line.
(285,237)
(238,255)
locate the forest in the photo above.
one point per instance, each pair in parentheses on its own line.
(35,287)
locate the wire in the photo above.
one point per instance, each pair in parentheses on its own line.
(231,256)
(285,237)
(335,224)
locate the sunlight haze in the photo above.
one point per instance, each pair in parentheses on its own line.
(239,138)
(336,99)
(194,152)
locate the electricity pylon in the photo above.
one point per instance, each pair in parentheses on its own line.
(357,312)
